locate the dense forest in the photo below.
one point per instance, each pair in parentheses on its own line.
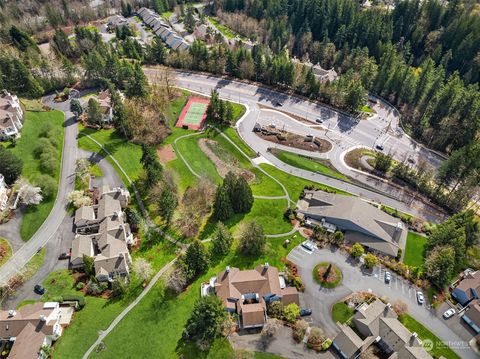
(424,57)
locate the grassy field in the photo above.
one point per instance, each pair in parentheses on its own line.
(126,153)
(6,249)
(24,149)
(98,313)
(341,312)
(226,31)
(295,185)
(438,349)
(173,311)
(308,164)
(414,249)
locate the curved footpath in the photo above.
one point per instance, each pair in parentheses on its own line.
(351,133)
(66,184)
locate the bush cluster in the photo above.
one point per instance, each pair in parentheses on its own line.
(46,151)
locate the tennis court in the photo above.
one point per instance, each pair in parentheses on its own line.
(193,115)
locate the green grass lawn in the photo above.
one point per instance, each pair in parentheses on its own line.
(158,320)
(367,108)
(414,249)
(294,184)
(232,134)
(227,32)
(341,312)
(423,333)
(126,153)
(7,248)
(24,149)
(334,271)
(59,283)
(305,163)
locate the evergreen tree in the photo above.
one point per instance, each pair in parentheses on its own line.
(76,107)
(10,166)
(221,240)
(439,266)
(252,239)
(94,113)
(242,197)
(195,260)
(166,204)
(222,206)
(151,165)
(138,86)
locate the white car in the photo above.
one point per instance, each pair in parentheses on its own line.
(449,313)
(420,298)
(308,245)
(388,277)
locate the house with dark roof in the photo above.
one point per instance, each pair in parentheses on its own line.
(377,324)
(467,289)
(247,293)
(30,328)
(361,221)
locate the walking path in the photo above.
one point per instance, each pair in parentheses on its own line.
(132,305)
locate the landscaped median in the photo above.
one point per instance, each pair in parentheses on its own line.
(328,275)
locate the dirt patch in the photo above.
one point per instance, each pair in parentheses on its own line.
(166,154)
(292,140)
(223,167)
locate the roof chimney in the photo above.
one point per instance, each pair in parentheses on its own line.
(11,313)
(43,318)
(413,337)
(266,265)
(387,308)
(227,269)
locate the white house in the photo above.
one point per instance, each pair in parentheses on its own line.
(11,116)
(3,193)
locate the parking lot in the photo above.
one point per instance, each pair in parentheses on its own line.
(321,300)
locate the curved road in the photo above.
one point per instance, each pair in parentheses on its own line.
(59,210)
(347,132)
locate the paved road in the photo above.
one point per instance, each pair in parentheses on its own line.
(252,95)
(58,213)
(321,300)
(109,175)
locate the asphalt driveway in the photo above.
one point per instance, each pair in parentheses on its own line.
(321,300)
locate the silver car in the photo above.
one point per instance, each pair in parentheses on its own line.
(420,298)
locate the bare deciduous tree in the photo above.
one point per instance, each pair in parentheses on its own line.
(177,280)
(27,193)
(400,307)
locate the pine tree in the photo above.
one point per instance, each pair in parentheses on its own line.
(195,259)
(222,206)
(138,85)
(242,197)
(166,204)
(221,240)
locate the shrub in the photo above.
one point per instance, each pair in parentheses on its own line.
(357,250)
(48,184)
(80,285)
(291,312)
(80,299)
(326,344)
(95,288)
(370,260)
(43,146)
(48,163)
(299,330)
(315,339)
(275,309)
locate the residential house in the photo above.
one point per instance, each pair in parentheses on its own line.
(361,221)
(11,116)
(467,289)
(3,193)
(30,328)
(103,234)
(116,21)
(377,324)
(104,100)
(247,293)
(466,293)
(319,72)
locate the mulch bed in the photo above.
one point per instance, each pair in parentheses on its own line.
(297,141)
(334,276)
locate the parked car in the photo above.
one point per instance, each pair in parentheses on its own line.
(420,298)
(379,147)
(308,245)
(39,289)
(319,120)
(305,312)
(388,277)
(65,255)
(449,313)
